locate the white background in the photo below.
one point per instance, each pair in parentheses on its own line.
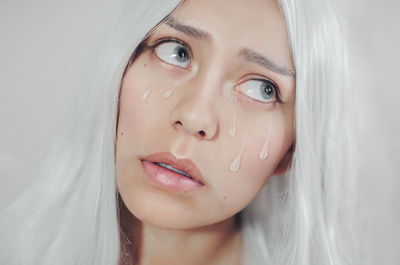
(34,106)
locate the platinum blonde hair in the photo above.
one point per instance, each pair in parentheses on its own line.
(68,215)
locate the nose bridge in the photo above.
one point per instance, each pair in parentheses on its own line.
(196,111)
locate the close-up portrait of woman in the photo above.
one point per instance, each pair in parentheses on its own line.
(192,132)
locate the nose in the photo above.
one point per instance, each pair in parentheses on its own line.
(195,114)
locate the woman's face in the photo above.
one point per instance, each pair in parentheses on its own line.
(214,84)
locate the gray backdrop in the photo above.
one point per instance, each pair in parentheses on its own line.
(374,40)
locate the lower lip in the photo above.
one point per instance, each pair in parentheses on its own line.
(169,179)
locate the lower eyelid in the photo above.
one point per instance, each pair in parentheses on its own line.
(172,71)
(254,104)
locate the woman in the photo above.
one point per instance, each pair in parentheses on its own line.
(205,115)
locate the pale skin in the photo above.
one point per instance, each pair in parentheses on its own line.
(210,83)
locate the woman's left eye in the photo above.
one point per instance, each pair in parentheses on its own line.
(174,53)
(260,90)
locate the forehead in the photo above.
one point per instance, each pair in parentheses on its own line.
(257,24)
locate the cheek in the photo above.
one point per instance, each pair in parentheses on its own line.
(263,156)
(269,141)
(253,174)
(263,151)
(134,114)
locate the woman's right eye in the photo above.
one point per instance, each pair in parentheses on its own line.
(174,53)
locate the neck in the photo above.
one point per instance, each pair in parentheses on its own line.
(148,245)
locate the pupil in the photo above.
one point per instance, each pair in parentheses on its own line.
(268,91)
(182,54)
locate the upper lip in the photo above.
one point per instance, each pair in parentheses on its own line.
(185,165)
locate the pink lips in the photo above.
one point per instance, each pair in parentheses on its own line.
(169,178)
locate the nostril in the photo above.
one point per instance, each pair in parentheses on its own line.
(179,126)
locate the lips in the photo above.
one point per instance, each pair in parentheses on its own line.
(182,173)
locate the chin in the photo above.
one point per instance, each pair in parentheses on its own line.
(171,220)
(163,213)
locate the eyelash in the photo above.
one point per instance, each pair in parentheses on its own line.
(275,87)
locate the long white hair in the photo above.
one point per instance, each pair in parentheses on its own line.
(68,214)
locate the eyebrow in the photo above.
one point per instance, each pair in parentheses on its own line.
(248,54)
(188,30)
(257,58)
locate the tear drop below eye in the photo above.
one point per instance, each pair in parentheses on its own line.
(168,93)
(232,130)
(265,150)
(235,165)
(171,91)
(146,94)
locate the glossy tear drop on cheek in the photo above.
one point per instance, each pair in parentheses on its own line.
(232,129)
(169,92)
(235,165)
(265,150)
(146,94)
